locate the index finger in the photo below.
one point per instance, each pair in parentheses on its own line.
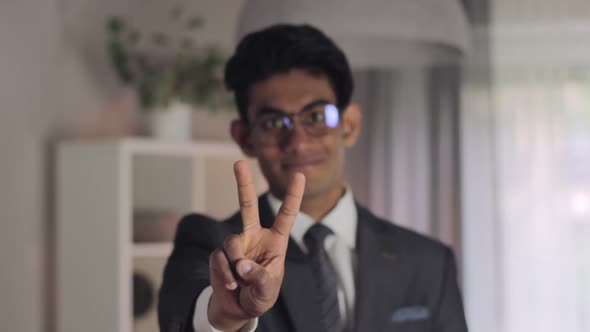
(247,197)
(291,203)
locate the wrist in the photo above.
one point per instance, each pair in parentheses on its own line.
(222,320)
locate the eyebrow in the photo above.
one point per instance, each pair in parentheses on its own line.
(264,110)
(268,110)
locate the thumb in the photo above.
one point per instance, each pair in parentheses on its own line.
(259,292)
(253,274)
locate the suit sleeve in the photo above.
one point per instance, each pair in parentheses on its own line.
(186,273)
(450,316)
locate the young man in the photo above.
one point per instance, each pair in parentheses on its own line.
(332,266)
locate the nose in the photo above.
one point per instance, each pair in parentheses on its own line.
(295,137)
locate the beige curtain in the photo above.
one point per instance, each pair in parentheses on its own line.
(526,171)
(543,176)
(405,167)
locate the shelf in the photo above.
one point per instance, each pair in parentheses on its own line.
(152,249)
(146,146)
(100,185)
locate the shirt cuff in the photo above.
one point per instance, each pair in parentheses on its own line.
(201,321)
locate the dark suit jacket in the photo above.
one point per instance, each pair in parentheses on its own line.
(405,281)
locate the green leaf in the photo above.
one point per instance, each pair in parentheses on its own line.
(194,74)
(119,60)
(195,22)
(133,37)
(175,13)
(159,39)
(115,25)
(147,95)
(186,44)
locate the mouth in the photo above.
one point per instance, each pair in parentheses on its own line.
(301,165)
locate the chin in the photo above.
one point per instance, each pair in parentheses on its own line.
(319,189)
(311,193)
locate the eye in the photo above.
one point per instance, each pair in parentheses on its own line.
(271,123)
(317,116)
(314,117)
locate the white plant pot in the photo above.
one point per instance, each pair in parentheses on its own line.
(172,123)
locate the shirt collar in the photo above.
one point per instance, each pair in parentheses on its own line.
(342,220)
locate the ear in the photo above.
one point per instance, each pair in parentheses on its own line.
(351,124)
(240,132)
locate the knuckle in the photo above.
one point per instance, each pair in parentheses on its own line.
(280,232)
(291,195)
(230,241)
(215,257)
(251,226)
(262,298)
(216,260)
(258,305)
(263,279)
(232,245)
(245,182)
(227,277)
(247,203)
(288,211)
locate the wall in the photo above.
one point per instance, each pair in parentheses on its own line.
(31,90)
(54,84)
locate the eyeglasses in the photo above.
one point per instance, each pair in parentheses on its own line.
(273,126)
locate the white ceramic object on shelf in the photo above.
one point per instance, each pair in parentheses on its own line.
(172,123)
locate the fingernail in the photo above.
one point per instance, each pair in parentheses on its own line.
(232,285)
(245,267)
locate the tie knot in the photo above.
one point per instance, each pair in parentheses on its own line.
(315,236)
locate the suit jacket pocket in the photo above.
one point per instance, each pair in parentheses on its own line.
(411,319)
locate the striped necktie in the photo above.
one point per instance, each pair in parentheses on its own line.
(326,279)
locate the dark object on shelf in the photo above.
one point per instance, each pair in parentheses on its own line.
(143,295)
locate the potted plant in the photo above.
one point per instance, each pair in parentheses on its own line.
(169,72)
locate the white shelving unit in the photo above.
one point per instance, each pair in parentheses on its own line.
(100,184)
(152,249)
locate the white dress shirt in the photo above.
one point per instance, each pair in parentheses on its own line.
(342,220)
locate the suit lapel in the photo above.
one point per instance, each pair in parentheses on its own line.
(380,274)
(296,293)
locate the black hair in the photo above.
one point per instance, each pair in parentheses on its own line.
(281,48)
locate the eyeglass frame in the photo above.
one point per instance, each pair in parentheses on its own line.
(288,119)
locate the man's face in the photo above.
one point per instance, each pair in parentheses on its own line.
(318,157)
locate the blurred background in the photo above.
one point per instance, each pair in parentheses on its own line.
(476,132)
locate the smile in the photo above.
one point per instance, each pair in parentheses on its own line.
(301,165)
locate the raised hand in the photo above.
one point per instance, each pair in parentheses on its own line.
(256,256)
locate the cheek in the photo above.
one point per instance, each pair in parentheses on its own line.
(334,148)
(269,161)
(337,157)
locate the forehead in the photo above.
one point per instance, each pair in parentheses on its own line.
(290,91)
